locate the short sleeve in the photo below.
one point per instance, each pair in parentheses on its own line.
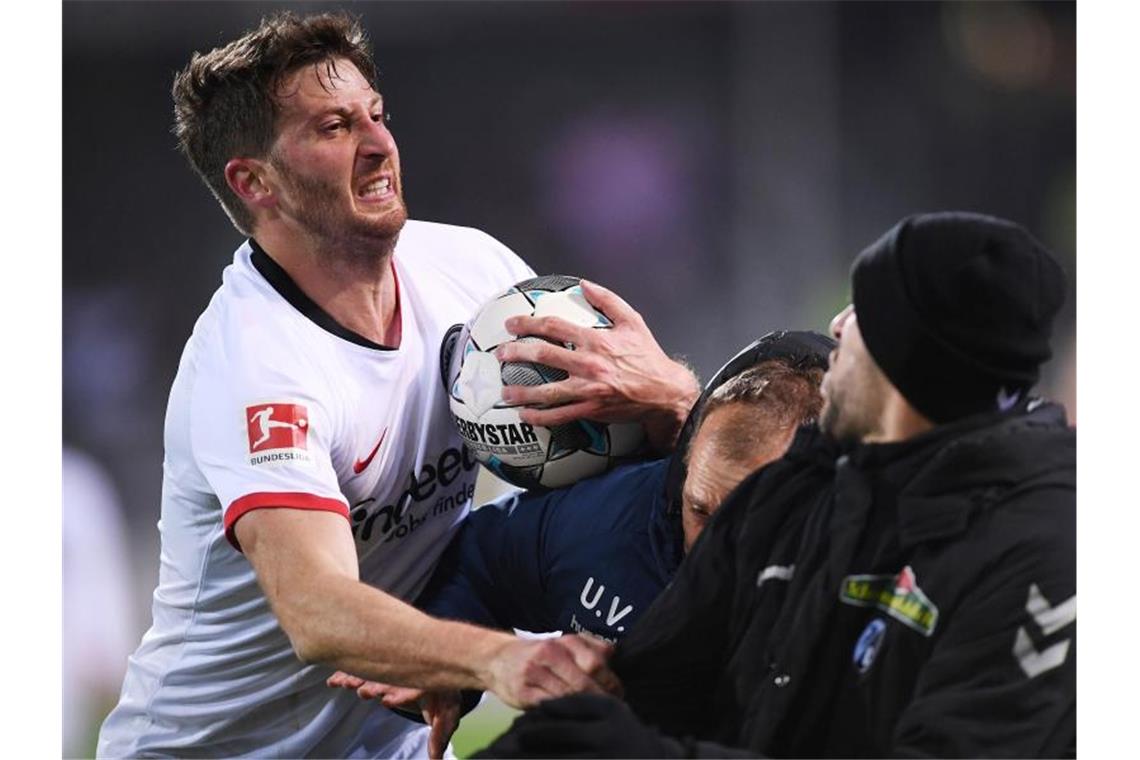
(261,428)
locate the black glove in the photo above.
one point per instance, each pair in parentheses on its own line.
(582,725)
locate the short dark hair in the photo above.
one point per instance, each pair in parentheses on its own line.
(225,101)
(775,395)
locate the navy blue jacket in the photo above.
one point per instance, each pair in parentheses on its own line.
(589,557)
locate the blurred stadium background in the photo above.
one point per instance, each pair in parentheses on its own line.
(718,164)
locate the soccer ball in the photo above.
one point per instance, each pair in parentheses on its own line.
(525,455)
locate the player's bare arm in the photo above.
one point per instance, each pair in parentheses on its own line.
(617,375)
(305,562)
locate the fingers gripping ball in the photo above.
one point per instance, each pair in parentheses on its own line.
(526,455)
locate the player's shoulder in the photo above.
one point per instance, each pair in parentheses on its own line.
(452,246)
(427,231)
(249,330)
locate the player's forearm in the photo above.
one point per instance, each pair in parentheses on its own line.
(354,627)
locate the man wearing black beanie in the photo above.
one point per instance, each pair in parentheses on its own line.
(956,310)
(903,582)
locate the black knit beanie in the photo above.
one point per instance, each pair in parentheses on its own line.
(957,309)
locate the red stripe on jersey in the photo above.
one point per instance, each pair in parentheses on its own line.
(288,500)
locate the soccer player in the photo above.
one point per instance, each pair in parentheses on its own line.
(901,585)
(311,466)
(593,556)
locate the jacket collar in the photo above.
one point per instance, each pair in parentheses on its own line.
(945,476)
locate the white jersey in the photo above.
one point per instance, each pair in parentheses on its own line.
(276,405)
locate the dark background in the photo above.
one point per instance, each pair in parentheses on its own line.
(718,164)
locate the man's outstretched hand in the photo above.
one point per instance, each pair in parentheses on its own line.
(616,375)
(440,709)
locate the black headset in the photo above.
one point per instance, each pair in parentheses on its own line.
(802,349)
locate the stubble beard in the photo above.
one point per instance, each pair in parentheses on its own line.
(337,233)
(829,418)
(836,418)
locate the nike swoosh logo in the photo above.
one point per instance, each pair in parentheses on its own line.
(360,464)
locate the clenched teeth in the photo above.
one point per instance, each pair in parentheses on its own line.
(379,187)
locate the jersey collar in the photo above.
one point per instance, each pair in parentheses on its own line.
(280,281)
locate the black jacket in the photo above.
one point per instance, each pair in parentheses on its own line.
(898,599)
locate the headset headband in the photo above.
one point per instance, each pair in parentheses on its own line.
(803,349)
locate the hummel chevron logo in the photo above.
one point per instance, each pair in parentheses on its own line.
(360,464)
(1050,619)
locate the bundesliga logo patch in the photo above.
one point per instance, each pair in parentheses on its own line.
(897,595)
(278,433)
